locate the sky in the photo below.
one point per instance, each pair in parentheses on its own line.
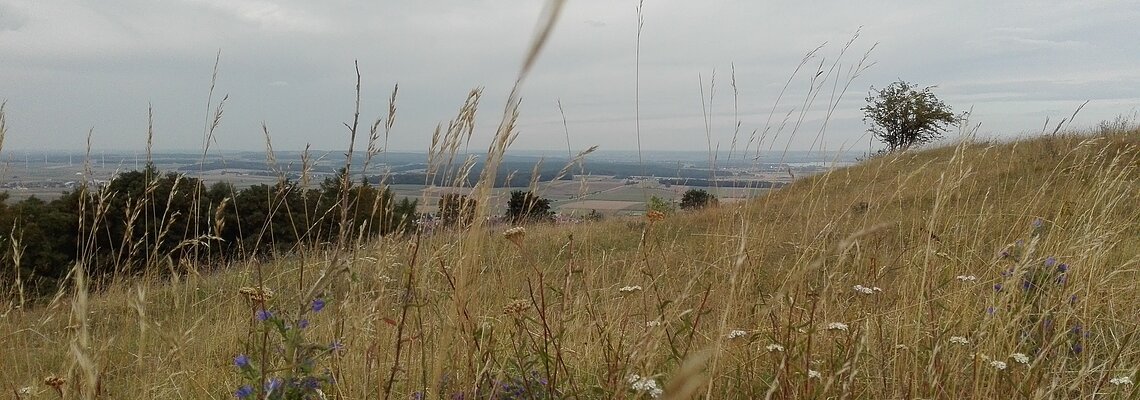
(71,67)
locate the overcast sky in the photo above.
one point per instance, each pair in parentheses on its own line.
(67,66)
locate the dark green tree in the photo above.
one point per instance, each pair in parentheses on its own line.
(902,115)
(528,207)
(456,209)
(695,199)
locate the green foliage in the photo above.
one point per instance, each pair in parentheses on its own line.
(528,207)
(456,209)
(696,199)
(146,221)
(901,115)
(658,204)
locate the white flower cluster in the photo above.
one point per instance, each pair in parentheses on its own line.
(737,333)
(645,384)
(866,290)
(1020,358)
(998,365)
(774,347)
(814,374)
(837,326)
(966,278)
(653,323)
(959,340)
(1120,380)
(630,289)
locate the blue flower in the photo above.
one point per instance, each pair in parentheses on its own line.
(273,385)
(304,323)
(997,287)
(318,305)
(991,310)
(1063,268)
(336,345)
(1050,261)
(264,314)
(242,361)
(243,392)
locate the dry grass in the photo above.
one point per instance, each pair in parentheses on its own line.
(780,269)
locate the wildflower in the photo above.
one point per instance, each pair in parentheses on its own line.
(515,235)
(837,326)
(241,361)
(653,323)
(998,287)
(991,310)
(1037,222)
(959,340)
(264,314)
(736,333)
(655,216)
(630,289)
(24,391)
(318,304)
(1121,380)
(998,365)
(966,278)
(645,384)
(243,392)
(336,346)
(1050,261)
(1020,358)
(256,294)
(774,347)
(1063,268)
(1077,348)
(814,374)
(866,290)
(272,385)
(1073,300)
(304,323)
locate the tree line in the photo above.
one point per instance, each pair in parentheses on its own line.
(150,221)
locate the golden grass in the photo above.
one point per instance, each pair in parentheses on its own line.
(781,268)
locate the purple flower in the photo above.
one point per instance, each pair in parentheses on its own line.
(243,392)
(1076,329)
(1050,261)
(273,385)
(304,323)
(242,361)
(336,345)
(318,305)
(1037,222)
(1077,348)
(991,310)
(997,287)
(1063,268)
(264,314)
(1073,300)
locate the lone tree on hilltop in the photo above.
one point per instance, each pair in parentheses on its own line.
(902,115)
(696,199)
(528,207)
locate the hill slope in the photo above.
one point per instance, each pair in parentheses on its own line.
(978,270)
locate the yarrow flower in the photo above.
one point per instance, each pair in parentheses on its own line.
(866,290)
(645,384)
(774,347)
(837,326)
(630,289)
(736,333)
(966,278)
(1020,358)
(653,323)
(814,374)
(1120,380)
(959,340)
(998,365)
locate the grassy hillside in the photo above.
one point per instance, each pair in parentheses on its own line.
(981,270)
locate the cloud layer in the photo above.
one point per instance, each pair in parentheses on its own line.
(70,65)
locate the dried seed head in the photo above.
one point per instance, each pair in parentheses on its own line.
(256,295)
(515,235)
(655,216)
(516,308)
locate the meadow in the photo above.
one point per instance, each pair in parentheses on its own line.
(974,269)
